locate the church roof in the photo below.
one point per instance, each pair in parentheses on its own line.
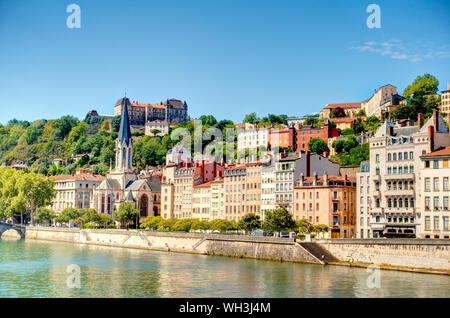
(129,197)
(135,185)
(109,184)
(124,130)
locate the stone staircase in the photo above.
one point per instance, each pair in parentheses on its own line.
(317,250)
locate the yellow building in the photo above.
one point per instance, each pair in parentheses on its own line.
(445,101)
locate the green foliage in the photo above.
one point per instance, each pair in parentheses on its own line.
(208,120)
(249,222)
(318,145)
(224,225)
(151,222)
(303,226)
(115,123)
(149,151)
(251,118)
(421,98)
(126,213)
(183,225)
(313,121)
(68,214)
(44,214)
(279,220)
(361,113)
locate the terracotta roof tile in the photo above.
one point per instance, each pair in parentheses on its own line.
(441,152)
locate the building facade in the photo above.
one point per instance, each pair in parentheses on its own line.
(252,137)
(434,202)
(363,201)
(444,108)
(74,191)
(328,200)
(394,175)
(171,111)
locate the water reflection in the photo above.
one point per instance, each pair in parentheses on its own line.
(38,269)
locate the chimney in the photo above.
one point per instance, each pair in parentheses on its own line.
(345,177)
(390,131)
(431,135)
(420,120)
(435,120)
(215,169)
(325,178)
(308,163)
(203,171)
(302,178)
(326,154)
(315,178)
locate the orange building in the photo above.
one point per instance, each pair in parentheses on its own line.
(282,138)
(304,135)
(328,200)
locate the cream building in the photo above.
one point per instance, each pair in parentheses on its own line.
(372,105)
(394,177)
(434,202)
(201,202)
(217,199)
(74,191)
(445,101)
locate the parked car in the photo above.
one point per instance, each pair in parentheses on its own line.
(282,234)
(261,232)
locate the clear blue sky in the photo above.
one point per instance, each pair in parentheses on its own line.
(225,58)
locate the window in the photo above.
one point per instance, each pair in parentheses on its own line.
(377,158)
(436,203)
(389,157)
(394,156)
(427,163)
(445,183)
(436,223)
(435,184)
(427,223)
(445,221)
(435,164)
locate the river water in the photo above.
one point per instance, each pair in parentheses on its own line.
(31,268)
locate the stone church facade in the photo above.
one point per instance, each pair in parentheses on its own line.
(123,182)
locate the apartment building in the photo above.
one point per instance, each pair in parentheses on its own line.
(380,97)
(394,178)
(289,168)
(253,188)
(328,200)
(267,189)
(434,202)
(252,137)
(282,138)
(201,201)
(363,201)
(185,178)
(74,191)
(444,108)
(305,134)
(217,199)
(234,181)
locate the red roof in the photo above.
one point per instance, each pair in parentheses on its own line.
(343,105)
(79,177)
(145,105)
(438,153)
(344,119)
(203,185)
(333,178)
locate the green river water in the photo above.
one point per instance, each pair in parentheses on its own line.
(31,268)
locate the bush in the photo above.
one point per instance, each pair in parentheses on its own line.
(152,222)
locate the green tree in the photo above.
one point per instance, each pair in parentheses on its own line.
(249,222)
(67,215)
(208,120)
(126,213)
(279,220)
(44,214)
(251,118)
(318,145)
(303,226)
(151,222)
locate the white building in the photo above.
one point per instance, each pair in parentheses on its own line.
(252,137)
(363,199)
(267,189)
(394,175)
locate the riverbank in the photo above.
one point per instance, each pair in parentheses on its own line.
(425,256)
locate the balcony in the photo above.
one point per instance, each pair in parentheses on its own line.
(376,193)
(377,226)
(407,176)
(400,210)
(399,192)
(376,177)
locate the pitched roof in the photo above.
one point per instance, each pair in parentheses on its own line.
(342,105)
(443,152)
(78,177)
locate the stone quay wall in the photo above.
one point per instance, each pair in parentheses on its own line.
(411,253)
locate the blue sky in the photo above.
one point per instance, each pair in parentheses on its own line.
(225,58)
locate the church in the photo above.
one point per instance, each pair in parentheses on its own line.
(123,182)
